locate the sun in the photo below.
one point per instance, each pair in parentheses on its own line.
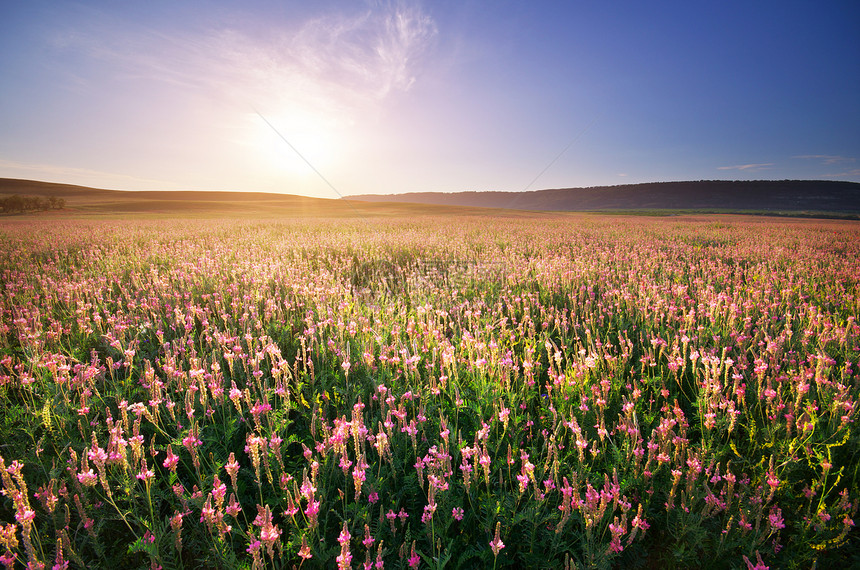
(295,142)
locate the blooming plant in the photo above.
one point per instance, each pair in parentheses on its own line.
(538,392)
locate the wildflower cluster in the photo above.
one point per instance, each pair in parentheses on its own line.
(397,394)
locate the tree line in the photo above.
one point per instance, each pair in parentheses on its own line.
(20,204)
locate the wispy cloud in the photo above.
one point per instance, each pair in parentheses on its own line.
(827,158)
(752,167)
(853,173)
(833,160)
(333,63)
(375,52)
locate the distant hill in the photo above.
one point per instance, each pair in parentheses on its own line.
(83,200)
(787,197)
(725,195)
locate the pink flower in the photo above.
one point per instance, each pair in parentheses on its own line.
(235,393)
(775,519)
(305,550)
(640,523)
(759,563)
(190,442)
(496,544)
(523,480)
(233,508)
(344,536)
(617,531)
(368,540)
(176,521)
(345,559)
(97,454)
(457,513)
(208,512)
(88,478)
(47,497)
(358,476)
(414,559)
(292,506)
(312,511)
(269,534)
(171,460)
(219,490)
(307,489)
(232,465)
(373,498)
(772,480)
(25,515)
(146,474)
(8,560)
(428,513)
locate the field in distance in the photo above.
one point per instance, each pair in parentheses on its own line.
(86,201)
(807,198)
(795,198)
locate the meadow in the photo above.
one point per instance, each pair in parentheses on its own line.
(460,392)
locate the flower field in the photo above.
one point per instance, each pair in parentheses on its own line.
(559,392)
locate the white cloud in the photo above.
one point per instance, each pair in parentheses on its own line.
(323,81)
(827,158)
(338,64)
(753,167)
(853,173)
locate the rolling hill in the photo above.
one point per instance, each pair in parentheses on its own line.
(786,197)
(735,196)
(83,200)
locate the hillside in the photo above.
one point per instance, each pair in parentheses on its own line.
(83,200)
(758,195)
(792,197)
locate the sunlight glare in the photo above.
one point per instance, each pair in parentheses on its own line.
(314,136)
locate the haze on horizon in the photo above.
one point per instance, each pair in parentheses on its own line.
(405,96)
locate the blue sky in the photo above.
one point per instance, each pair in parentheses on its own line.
(401,96)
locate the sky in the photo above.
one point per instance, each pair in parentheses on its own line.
(335,98)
